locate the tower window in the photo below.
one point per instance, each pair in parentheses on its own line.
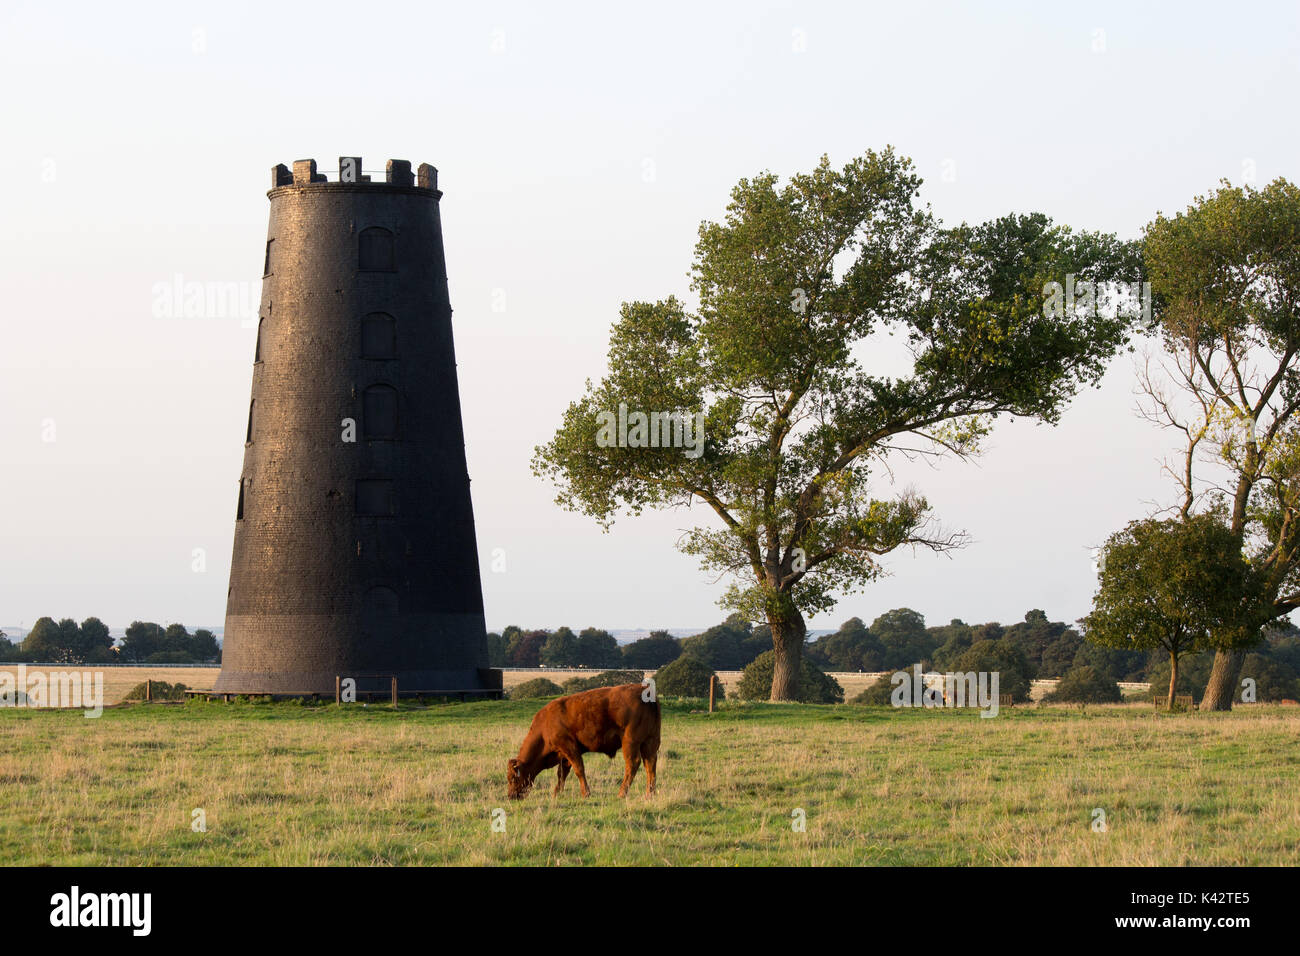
(379,412)
(376,251)
(375,497)
(251,407)
(266,266)
(257,349)
(378,336)
(239,508)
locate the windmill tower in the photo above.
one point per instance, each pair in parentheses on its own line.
(354,550)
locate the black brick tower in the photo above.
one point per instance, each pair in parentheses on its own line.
(354,546)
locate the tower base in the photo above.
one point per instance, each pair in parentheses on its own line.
(482,682)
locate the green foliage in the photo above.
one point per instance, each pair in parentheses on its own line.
(728,646)
(1170,584)
(142,639)
(852,648)
(161,690)
(1283,646)
(95,644)
(1274,679)
(560,649)
(524,648)
(169,657)
(537,687)
(203,646)
(598,648)
(652,652)
(793,280)
(44,642)
(1225,278)
(1006,659)
(815,687)
(68,642)
(1059,653)
(496,645)
(903,638)
(1118,665)
(1085,685)
(604,679)
(1048,646)
(686,677)
(950,641)
(146,642)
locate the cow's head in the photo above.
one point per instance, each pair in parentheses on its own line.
(518,782)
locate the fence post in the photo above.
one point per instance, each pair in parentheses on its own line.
(713,679)
(148,689)
(338,689)
(394,691)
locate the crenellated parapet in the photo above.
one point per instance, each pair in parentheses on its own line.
(397,172)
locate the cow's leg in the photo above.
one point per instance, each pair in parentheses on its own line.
(561,772)
(631,753)
(575,762)
(650,756)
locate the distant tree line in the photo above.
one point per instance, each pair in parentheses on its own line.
(730,645)
(67,642)
(1033,649)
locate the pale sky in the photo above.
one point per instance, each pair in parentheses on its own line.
(579,148)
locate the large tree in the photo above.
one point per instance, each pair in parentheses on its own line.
(1171,584)
(652,652)
(46,642)
(598,648)
(95,641)
(1225,278)
(729,646)
(798,288)
(852,648)
(142,639)
(560,649)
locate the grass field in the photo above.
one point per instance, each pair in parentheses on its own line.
(289,784)
(118,681)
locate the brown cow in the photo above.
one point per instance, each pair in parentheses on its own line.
(603,720)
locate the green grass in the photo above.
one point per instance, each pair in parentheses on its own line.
(301,785)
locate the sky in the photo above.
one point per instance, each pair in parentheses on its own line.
(578,148)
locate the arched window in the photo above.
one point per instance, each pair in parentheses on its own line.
(375,252)
(379,412)
(378,336)
(251,407)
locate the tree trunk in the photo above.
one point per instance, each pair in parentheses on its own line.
(1173,678)
(1223,680)
(787,641)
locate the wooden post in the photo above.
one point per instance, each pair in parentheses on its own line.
(713,679)
(338,689)
(148,689)
(394,691)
